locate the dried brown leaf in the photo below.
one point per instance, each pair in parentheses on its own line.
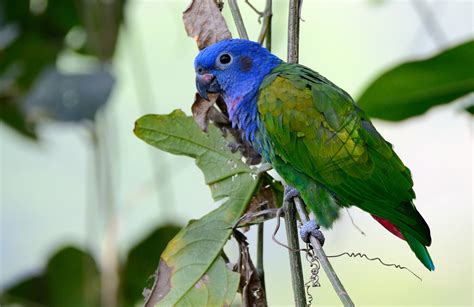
(204,110)
(200,109)
(251,288)
(264,203)
(204,22)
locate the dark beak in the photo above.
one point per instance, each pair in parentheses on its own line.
(207,83)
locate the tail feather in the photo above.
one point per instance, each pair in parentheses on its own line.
(420,251)
(416,246)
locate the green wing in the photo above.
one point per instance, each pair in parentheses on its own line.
(314,127)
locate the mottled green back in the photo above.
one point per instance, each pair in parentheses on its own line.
(315,128)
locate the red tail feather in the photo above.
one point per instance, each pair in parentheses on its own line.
(389,226)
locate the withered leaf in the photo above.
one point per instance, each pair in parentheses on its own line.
(204,22)
(251,287)
(204,110)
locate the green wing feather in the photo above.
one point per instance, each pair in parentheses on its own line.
(316,129)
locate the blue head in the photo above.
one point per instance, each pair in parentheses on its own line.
(234,68)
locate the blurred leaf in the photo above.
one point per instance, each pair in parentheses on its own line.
(68,97)
(71,279)
(196,247)
(414,87)
(11,115)
(52,18)
(204,22)
(28,292)
(102,20)
(141,263)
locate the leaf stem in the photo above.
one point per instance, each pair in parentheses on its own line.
(239,22)
(323,259)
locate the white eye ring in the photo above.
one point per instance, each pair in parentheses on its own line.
(224,60)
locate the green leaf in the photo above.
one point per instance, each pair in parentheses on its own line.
(141,263)
(217,287)
(71,279)
(28,292)
(197,246)
(15,118)
(412,88)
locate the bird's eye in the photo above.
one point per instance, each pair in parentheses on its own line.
(224,59)
(200,70)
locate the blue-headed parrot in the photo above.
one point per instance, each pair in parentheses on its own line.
(315,136)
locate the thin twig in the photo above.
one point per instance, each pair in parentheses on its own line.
(239,22)
(297,280)
(293,30)
(323,259)
(431,24)
(265,32)
(268,20)
(254,8)
(260,239)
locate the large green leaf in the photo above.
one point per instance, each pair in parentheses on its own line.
(412,88)
(193,251)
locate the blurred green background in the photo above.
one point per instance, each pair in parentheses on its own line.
(48,190)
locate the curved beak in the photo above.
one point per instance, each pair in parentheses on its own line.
(207,83)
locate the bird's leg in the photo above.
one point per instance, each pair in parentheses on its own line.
(309,228)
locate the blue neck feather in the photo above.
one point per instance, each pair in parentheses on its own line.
(242,100)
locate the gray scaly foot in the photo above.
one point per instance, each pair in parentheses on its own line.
(290,193)
(310,228)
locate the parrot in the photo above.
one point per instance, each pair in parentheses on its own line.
(315,137)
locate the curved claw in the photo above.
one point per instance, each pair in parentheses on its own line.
(310,228)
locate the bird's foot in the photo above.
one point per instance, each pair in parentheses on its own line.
(310,228)
(290,193)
